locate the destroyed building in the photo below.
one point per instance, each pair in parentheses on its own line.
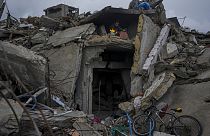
(61,10)
(86,65)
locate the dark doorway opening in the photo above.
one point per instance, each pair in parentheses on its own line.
(109,89)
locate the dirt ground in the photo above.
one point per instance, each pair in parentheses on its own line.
(191,98)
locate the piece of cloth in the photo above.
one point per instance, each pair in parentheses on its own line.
(144,6)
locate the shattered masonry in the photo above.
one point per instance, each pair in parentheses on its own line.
(75,66)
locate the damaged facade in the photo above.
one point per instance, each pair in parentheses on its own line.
(93,63)
(61,10)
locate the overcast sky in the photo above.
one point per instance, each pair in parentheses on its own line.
(196,11)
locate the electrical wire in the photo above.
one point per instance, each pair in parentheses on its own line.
(15,114)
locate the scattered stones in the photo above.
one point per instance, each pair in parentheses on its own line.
(69,54)
(170,50)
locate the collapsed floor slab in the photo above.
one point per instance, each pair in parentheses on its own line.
(26,64)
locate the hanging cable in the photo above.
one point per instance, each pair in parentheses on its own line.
(15,114)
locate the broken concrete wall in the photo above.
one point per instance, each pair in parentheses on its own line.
(61,10)
(145,39)
(55,12)
(64,65)
(64,52)
(146,36)
(92,59)
(158,88)
(83,94)
(27,65)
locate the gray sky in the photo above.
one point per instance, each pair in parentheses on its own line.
(197,11)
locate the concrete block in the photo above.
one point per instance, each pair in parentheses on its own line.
(172,50)
(193,39)
(169,50)
(39,38)
(158,88)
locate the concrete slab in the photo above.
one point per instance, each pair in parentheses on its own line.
(64,64)
(159,87)
(71,34)
(28,66)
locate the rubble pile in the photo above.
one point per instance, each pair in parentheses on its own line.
(65,73)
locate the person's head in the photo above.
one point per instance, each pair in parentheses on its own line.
(117,23)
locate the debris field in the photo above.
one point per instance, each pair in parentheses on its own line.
(71,74)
